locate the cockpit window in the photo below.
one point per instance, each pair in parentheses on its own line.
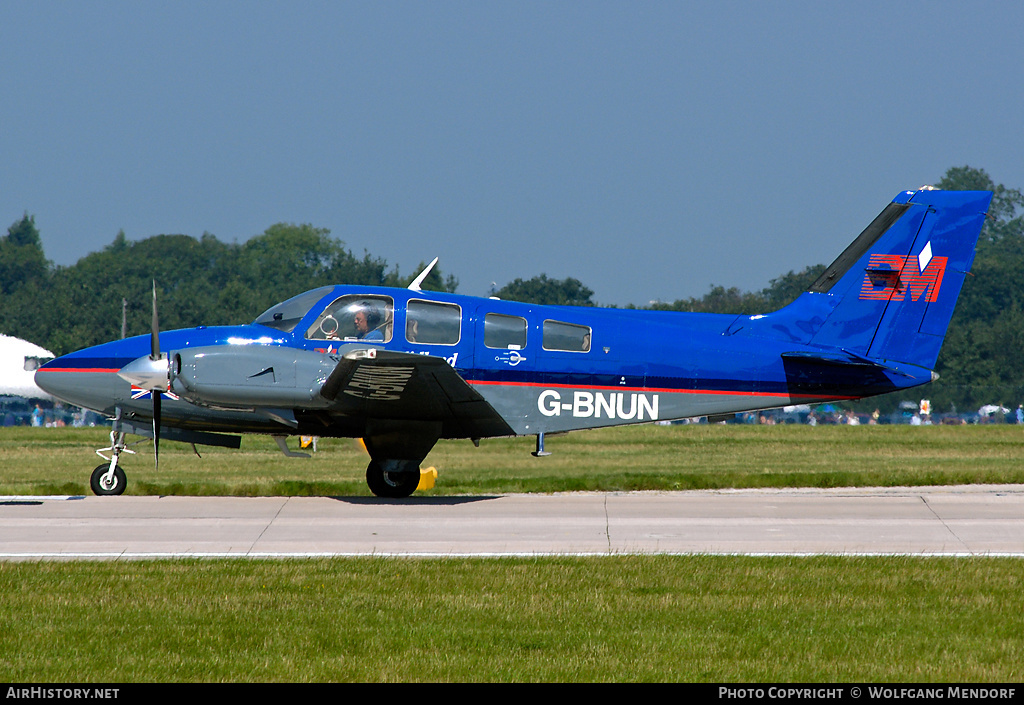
(356,317)
(286,315)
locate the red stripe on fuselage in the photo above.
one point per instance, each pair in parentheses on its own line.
(82,369)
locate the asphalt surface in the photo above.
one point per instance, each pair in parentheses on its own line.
(970,520)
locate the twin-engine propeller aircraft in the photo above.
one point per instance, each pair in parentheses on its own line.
(404,368)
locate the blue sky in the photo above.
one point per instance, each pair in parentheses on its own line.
(650,149)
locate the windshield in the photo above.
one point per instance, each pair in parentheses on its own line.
(355,317)
(286,315)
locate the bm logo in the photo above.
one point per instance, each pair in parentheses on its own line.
(894,278)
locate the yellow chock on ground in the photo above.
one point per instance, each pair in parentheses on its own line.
(428,476)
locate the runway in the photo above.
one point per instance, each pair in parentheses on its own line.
(920,521)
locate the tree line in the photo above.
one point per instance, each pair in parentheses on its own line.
(206,281)
(199,281)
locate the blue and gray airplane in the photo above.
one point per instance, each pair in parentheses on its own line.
(403,368)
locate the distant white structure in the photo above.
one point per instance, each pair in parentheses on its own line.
(19,360)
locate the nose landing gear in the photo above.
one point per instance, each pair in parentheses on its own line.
(109,479)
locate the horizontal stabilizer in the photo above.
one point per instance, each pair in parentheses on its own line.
(845,359)
(830,358)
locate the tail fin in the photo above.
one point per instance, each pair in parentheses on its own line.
(890,295)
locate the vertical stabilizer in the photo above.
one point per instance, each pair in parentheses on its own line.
(890,295)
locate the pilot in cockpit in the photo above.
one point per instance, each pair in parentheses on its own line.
(367,321)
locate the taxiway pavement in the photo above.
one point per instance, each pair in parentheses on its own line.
(968,520)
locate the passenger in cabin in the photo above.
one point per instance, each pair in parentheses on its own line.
(367,321)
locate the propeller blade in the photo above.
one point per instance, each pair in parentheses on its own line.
(157,395)
(157,392)
(154,336)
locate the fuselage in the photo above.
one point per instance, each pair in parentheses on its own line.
(403,368)
(542,368)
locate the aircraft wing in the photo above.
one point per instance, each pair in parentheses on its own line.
(359,384)
(391,385)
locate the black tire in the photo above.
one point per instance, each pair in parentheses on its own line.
(391,485)
(115,488)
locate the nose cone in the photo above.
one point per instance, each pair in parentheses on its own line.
(87,378)
(45,380)
(85,387)
(146,373)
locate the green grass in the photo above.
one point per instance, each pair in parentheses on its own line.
(615,618)
(700,618)
(47,461)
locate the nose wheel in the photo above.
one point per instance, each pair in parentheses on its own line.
(107,481)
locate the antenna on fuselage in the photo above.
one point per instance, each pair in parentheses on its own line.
(418,281)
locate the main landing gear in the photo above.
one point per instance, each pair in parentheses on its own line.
(392,483)
(396,450)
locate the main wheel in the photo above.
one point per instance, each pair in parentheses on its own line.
(393,485)
(103,488)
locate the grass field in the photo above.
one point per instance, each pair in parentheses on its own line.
(616,618)
(659,618)
(59,461)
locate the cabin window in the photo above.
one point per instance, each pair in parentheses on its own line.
(566,336)
(505,332)
(354,318)
(433,323)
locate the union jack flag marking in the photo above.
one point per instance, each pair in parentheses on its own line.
(140,393)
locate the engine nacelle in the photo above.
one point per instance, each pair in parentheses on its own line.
(250,376)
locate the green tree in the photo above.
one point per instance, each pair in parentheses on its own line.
(1002,220)
(780,292)
(24,280)
(436,280)
(22,260)
(84,306)
(289,259)
(785,289)
(980,362)
(542,290)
